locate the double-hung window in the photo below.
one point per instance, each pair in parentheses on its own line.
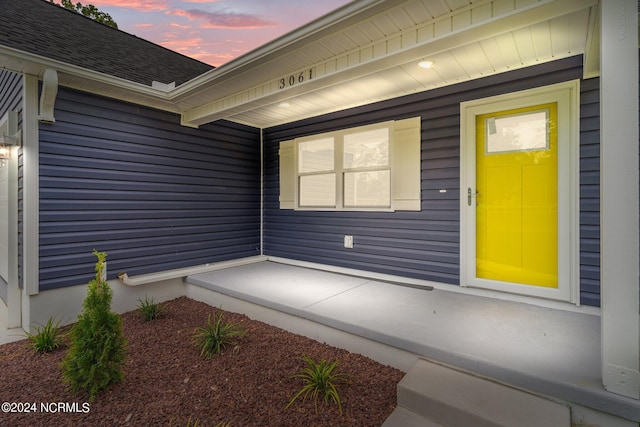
(375,167)
(317,173)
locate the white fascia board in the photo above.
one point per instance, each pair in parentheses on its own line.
(326,24)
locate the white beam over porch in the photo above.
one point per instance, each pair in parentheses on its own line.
(619,201)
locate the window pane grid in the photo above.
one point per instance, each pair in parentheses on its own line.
(367,189)
(316,156)
(345,170)
(317,190)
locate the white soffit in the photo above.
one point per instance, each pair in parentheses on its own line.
(371,55)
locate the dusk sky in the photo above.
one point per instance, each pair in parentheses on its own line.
(213,31)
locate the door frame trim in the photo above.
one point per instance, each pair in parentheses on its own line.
(567,95)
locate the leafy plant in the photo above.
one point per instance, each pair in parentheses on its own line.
(216,336)
(90,11)
(196,423)
(150,310)
(320,379)
(96,357)
(46,337)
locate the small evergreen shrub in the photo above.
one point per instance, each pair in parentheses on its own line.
(320,379)
(46,337)
(149,309)
(96,357)
(216,336)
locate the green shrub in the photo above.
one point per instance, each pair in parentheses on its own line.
(96,357)
(320,379)
(216,336)
(46,338)
(149,309)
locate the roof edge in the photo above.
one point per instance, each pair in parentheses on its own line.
(327,23)
(35,65)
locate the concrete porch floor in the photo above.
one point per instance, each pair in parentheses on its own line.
(552,352)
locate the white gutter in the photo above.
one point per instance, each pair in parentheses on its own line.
(144,279)
(38,64)
(261,192)
(80,78)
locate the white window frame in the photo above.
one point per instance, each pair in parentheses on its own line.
(404,166)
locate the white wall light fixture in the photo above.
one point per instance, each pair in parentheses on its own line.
(9,134)
(5,154)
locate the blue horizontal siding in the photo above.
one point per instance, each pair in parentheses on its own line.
(425,244)
(590,192)
(154,195)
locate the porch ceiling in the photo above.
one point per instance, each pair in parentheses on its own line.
(368,51)
(364,52)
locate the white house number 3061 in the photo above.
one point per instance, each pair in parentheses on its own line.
(295,79)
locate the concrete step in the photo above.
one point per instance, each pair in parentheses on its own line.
(450,397)
(402,417)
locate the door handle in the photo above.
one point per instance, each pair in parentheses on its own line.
(470,195)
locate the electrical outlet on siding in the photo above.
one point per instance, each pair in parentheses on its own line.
(348,242)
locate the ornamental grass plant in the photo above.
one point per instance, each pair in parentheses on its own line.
(320,380)
(213,338)
(149,309)
(46,337)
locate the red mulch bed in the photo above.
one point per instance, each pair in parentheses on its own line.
(167,382)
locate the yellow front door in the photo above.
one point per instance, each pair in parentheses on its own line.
(517,196)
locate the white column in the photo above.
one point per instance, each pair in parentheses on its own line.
(30,196)
(619,203)
(14,294)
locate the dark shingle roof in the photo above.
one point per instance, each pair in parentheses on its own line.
(44,29)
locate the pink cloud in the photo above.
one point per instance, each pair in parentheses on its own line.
(212,58)
(225,19)
(196,48)
(179,26)
(142,5)
(181,44)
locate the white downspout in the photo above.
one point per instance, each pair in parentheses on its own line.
(261,192)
